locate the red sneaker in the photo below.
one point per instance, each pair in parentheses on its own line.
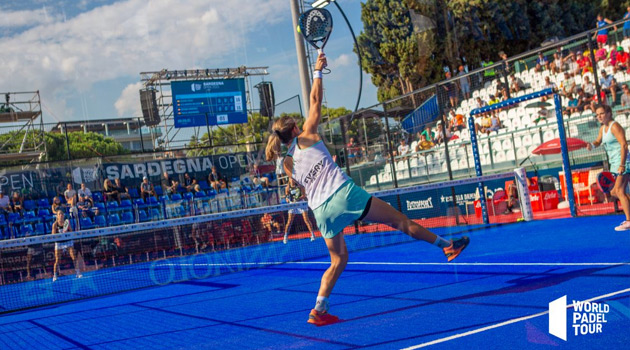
(321,318)
(456,247)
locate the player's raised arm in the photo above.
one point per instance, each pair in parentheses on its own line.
(315,111)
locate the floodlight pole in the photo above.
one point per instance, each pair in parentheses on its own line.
(305,80)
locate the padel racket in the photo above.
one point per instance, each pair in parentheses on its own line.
(316,25)
(66,226)
(606,181)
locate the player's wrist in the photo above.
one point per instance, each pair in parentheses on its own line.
(317,74)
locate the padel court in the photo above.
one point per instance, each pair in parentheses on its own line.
(402,295)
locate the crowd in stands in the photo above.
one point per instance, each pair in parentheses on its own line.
(118,203)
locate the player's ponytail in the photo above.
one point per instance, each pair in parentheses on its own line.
(282,132)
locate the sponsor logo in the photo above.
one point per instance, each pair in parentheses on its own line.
(195,87)
(587,318)
(420,204)
(551,195)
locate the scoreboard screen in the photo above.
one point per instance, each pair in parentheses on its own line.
(215,102)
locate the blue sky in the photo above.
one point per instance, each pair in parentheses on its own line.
(85,56)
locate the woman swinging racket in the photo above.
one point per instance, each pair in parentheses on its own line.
(334,198)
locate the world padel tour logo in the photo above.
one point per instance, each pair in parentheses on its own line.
(587,317)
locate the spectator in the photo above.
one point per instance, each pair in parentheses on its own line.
(270,224)
(17,202)
(70,195)
(61,188)
(440,133)
(258,178)
(484,124)
(626,25)
(123,192)
(600,54)
(403,148)
(548,85)
(584,100)
(621,61)
(541,62)
(584,63)
(569,63)
(85,205)
(146,189)
(588,86)
(353,151)
(457,121)
(480,103)
(493,100)
(451,91)
(423,144)
(516,84)
(568,84)
(608,85)
(428,133)
(625,97)
(169,186)
(573,105)
(196,189)
(543,113)
(215,179)
(84,190)
(512,194)
(57,205)
(505,65)
(110,191)
(5,203)
(602,34)
(464,83)
(557,63)
(189,182)
(495,124)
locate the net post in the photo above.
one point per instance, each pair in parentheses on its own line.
(475,149)
(523,192)
(566,164)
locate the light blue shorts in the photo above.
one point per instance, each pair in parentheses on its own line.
(341,209)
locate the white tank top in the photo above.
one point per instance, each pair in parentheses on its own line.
(314,169)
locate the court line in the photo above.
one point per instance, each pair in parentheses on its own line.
(404,264)
(505,323)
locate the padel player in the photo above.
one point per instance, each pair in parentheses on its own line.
(613,136)
(60,226)
(334,198)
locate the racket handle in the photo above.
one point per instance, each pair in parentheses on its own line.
(321,52)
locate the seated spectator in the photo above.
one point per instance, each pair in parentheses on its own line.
(57,205)
(5,203)
(608,85)
(146,189)
(423,144)
(270,224)
(493,100)
(123,191)
(573,105)
(109,190)
(480,103)
(541,63)
(588,86)
(568,84)
(457,122)
(169,186)
(543,113)
(516,84)
(600,54)
(354,151)
(258,178)
(428,133)
(189,182)
(495,124)
(584,100)
(557,63)
(625,97)
(439,137)
(621,63)
(485,122)
(569,63)
(215,179)
(584,63)
(17,202)
(84,190)
(512,194)
(500,87)
(85,205)
(196,189)
(403,148)
(70,195)
(548,85)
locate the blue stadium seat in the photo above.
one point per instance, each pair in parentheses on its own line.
(133,192)
(97,197)
(26,230)
(45,215)
(112,206)
(40,229)
(43,203)
(203,184)
(86,223)
(15,219)
(3,220)
(100,206)
(153,202)
(30,218)
(127,218)
(125,204)
(189,196)
(113,219)
(158,191)
(176,197)
(30,205)
(155,214)
(142,216)
(164,198)
(99,221)
(3,230)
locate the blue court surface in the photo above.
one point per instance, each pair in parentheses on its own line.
(494,296)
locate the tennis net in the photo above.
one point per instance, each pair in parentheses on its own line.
(116,259)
